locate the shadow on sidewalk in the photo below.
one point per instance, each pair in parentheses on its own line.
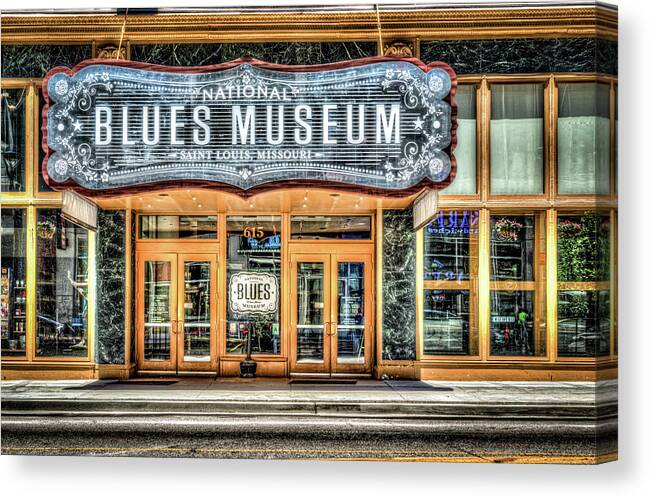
(259,384)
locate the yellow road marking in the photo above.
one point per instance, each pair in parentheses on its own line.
(426,455)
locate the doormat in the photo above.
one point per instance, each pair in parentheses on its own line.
(148,382)
(323,381)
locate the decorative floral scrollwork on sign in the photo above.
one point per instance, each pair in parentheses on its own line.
(78,97)
(425,94)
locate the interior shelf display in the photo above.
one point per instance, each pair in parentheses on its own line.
(13,288)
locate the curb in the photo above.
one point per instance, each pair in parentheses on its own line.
(364,409)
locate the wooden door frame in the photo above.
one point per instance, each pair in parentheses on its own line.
(314,368)
(142,257)
(179,252)
(213,259)
(337,368)
(332,252)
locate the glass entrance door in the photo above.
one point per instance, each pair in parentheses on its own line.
(176,308)
(331,314)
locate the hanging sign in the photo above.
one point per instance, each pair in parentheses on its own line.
(425,208)
(79,210)
(253,293)
(380,125)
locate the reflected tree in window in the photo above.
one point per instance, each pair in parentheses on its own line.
(584,285)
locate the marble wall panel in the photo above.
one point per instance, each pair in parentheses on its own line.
(524,55)
(398,285)
(277,52)
(111,286)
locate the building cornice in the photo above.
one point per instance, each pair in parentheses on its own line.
(595,20)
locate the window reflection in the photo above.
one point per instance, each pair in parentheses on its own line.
(350,312)
(583,244)
(583,323)
(451,262)
(517,290)
(157,312)
(446,325)
(512,247)
(61,286)
(310,306)
(13,282)
(512,324)
(12,145)
(584,248)
(451,246)
(196,311)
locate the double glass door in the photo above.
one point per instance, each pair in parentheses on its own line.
(176,299)
(331,316)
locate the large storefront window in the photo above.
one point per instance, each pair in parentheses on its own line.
(584,285)
(583,138)
(61,287)
(465,182)
(253,280)
(450,267)
(12,171)
(13,283)
(516,131)
(517,323)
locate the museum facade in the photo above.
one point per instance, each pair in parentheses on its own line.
(234,219)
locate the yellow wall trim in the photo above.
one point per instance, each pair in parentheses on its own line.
(304,25)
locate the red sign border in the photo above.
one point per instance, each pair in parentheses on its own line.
(327,185)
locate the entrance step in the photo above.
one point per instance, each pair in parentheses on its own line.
(321,380)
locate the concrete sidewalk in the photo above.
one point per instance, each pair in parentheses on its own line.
(272,397)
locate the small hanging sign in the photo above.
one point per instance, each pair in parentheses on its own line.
(252,293)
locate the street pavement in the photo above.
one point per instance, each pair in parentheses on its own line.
(517,422)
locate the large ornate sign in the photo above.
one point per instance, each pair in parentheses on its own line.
(382,124)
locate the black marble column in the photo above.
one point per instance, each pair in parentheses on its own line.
(111,286)
(398,285)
